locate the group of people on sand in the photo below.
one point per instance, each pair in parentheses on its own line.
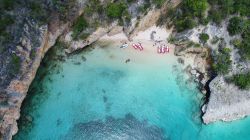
(161,47)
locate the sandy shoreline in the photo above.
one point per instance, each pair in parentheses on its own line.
(149,44)
(150,48)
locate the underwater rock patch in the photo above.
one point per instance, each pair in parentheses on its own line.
(113,129)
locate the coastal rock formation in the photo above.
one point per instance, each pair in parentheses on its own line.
(14,94)
(79,44)
(226,102)
(33,41)
(197,65)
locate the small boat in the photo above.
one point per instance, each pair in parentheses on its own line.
(124,45)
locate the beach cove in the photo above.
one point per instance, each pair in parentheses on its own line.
(98,94)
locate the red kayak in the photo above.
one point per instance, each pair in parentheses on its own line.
(140,46)
(135,46)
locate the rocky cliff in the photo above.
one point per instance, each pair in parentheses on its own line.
(226,102)
(32,40)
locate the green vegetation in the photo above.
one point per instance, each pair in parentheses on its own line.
(33,53)
(236,43)
(92,7)
(220,9)
(184,24)
(171,39)
(215,40)
(193,44)
(158,3)
(241,80)
(5,21)
(16,62)
(39,12)
(187,16)
(7,4)
(130,1)
(195,8)
(244,44)
(144,7)
(222,61)
(204,37)
(63,7)
(235,26)
(115,10)
(192,12)
(78,28)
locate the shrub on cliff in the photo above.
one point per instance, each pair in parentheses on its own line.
(195,8)
(222,61)
(187,15)
(39,12)
(244,44)
(7,4)
(215,16)
(63,7)
(115,10)
(204,37)
(143,8)
(5,36)
(16,62)
(235,26)
(184,24)
(220,9)
(158,3)
(241,80)
(92,7)
(78,27)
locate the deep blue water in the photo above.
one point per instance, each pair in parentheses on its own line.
(95,95)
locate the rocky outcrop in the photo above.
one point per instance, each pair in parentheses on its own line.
(79,44)
(33,43)
(15,92)
(196,63)
(226,102)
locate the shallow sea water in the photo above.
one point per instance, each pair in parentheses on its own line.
(95,95)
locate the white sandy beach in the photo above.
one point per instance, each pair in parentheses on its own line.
(149,52)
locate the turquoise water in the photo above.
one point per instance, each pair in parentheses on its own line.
(95,95)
